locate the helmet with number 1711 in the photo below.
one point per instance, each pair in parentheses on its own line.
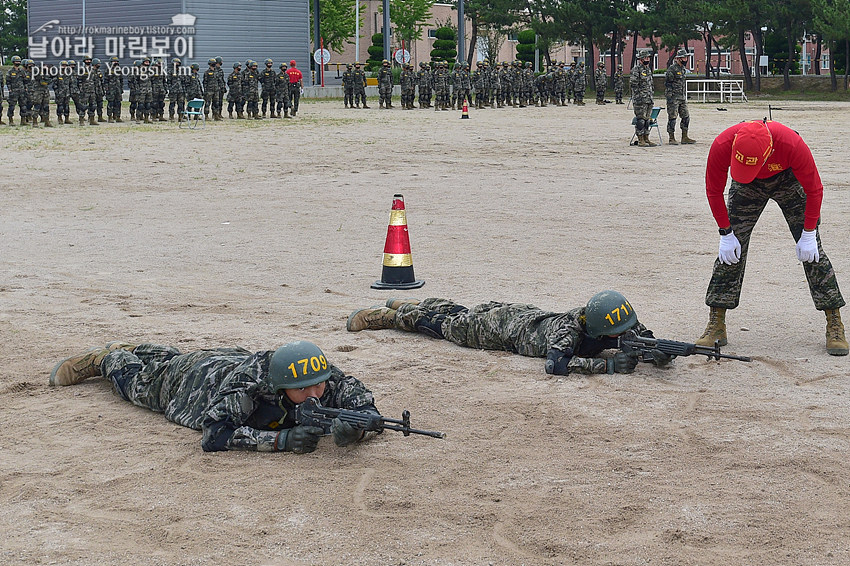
(608,313)
(297,365)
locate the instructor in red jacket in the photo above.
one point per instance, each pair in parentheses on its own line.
(296,82)
(766,161)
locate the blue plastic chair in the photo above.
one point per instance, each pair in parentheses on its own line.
(653,123)
(194,114)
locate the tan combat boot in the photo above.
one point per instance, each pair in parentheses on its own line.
(641,142)
(716,329)
(672,140)
(375,318)
(836,343)
(649,142)
(395,303)
(78,368)
(93,121)
(685,138)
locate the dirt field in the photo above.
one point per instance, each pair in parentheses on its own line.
(260,233)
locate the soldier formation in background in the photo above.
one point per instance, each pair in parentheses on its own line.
(252,93)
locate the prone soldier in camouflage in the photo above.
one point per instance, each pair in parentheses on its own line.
(601,81)
(385,85)
(767,161)
(62,93)
(240,400)
(677,98)
(425,80)
(641,85)
(268,80)
(571,342)
(114,87)
(618,84)
(359,87)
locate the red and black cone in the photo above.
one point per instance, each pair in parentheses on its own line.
(465,113)
(398,265)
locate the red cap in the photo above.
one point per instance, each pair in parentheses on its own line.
(752,145)
(292,63)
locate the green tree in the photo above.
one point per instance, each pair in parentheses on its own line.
(489,17)
(409,18)
(13,29)
(832,20)
(337,22)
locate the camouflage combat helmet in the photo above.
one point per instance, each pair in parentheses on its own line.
(237,65)
(211,61)
(600,64)
(608,313)
(681,53)
(348,65)
(385,62)
(253,64)
(16,60)
(113,59)
(176,61)
(195,67)
(268,62)
(644,53)
(72,63)
(136,63)
(297,365)
(95,62)
(422,64)
(528,64)
(282,66)
(219,60)
(357,63)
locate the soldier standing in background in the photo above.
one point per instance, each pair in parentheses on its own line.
(268,80)
(62,93)
(677,98)
(441,86)
(476,78)
(385,85)
(222,87)
(176,91)
(192,83)
(114,87)
(296,83)
(641,85)
(348,85)
(88,89)
(133,86)
(580,84)
(426,85)
(571,342)
(2,84)
(100,86)
(250,89)
(359,85)
(29,85)
(211,90)
(601,82)
(234,92)
(41,97)
(408,87)
(571,82)
(618,84)
(283,100)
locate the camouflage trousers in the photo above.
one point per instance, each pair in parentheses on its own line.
(677,109)
(643,113)
(489,326)
(745,204)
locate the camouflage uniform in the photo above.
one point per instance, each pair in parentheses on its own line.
(463,86)
(618,84)
(425,80)
(408,87)
(601,81)
(641,86)
(385,86)
(250,90)
(222,87)
(528,86)
(114,87)
(234,92)
(495,86)
(29,87)
(522,329)
(268,80)
(212,92)
(62,93)
(283,99)
(441,86)
(478,85)
(677,100)
(144,93)
(158,92)
(359,86)
(579,84)
(41,98)
(571,82)
(541,89)
(348,86)
(133,86)
(192,85)
(90,88)
(745,205)
(505,85)
(559,85)
(223,392)
(176,92)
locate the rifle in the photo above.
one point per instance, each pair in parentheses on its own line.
(312,413)
(643,346)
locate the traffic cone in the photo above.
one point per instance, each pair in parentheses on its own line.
(398,265)
(465,114)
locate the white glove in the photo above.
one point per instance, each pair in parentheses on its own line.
(807,246)
(730,249)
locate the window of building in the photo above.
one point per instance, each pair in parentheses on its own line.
(512,36)
(432,33)
(824,61)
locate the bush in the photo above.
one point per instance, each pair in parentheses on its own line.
(526,49)
(445,46)
(376,52)
(378,39)
(527,36)
(445,33)
(526,46)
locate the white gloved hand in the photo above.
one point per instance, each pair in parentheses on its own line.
(807,246)
(730,249)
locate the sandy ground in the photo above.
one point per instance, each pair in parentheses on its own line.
(260,233)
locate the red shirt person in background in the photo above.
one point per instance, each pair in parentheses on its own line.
(295,84)
(767,161)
